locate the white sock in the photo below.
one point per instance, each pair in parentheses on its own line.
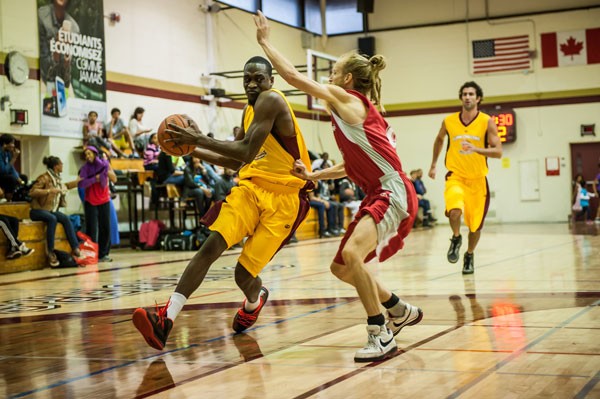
(176,304)
(398,309)
(251,306)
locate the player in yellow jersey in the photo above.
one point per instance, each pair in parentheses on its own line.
(472,138)
(267,207)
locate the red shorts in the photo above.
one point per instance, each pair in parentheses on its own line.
(389,208)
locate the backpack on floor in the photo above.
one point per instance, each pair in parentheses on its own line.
(149,233)
(65,259)
(180,242)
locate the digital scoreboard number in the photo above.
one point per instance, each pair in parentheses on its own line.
(507,123)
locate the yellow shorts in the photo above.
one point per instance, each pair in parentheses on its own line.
(121,142)
(470,196)
(266,213)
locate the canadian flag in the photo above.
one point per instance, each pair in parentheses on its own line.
(578,47)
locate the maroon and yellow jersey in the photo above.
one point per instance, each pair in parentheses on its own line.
(276,157)
(469,166)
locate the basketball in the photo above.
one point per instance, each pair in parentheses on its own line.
(162,135)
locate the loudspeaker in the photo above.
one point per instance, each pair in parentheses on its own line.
(366,45)
(364,6)
(217,92)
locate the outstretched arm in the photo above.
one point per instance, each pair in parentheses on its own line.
(330,93)
(335,172)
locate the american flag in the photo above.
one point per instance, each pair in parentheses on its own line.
(500,55)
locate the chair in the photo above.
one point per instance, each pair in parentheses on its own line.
(184,207)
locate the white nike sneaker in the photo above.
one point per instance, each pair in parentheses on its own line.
(412,315)
(380,345)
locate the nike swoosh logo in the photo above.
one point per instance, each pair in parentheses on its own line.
(402,322)
(385,343)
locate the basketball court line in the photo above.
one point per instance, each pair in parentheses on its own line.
(588,387)
(520,351)
(567,295)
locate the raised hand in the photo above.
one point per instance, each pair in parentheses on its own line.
(262,27)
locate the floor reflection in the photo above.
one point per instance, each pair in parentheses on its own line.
(156,378)
(585,228)
(247,346)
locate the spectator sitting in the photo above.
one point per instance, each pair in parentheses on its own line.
(10,227)
(138,131)
(93,134)
(335,208)
(221,184)
(323,207)
(117,132)
(416,176)
(322,163)
(194,187)
(48,195)
(151,154)
(170,169)
(350,195)
(10,179)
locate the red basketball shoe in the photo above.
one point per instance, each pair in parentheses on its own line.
(243,320)
(154,326)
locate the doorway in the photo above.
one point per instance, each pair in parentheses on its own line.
(585,160)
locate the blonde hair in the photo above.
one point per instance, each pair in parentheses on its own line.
(365,74)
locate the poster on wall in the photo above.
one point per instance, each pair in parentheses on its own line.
(72,65)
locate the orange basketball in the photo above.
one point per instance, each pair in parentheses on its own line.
(162,135)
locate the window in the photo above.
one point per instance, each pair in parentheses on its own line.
(342,17)
(248,5)
(286,11)
(312,15)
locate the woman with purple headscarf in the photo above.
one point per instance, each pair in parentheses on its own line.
(95,174)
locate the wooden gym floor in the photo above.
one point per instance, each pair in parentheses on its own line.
(525,325)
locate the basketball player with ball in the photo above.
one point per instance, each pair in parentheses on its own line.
(387,213)
(472,139)
(267,206)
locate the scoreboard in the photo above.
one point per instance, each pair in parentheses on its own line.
(506,121)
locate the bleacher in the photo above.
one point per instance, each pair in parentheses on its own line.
(33,234)
(124,164)
(310,228)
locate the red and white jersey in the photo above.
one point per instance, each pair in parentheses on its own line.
(368,149)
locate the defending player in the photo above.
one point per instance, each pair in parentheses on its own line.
(387,214)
